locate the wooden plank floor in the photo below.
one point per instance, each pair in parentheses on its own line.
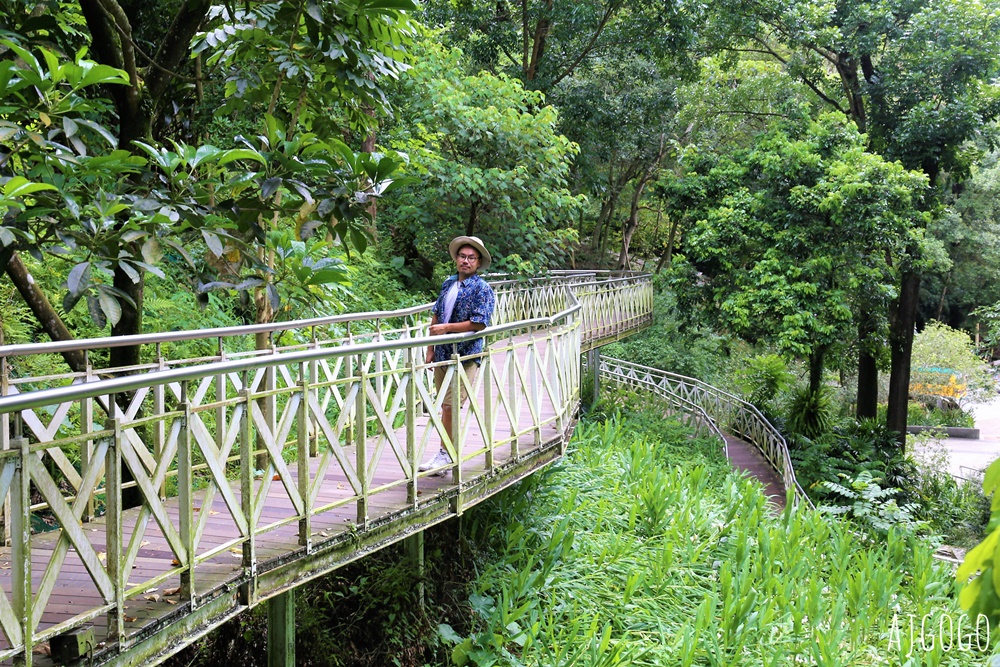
(745,456)
(75,592)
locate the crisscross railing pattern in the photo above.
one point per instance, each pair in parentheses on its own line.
(251,470)
(728,412)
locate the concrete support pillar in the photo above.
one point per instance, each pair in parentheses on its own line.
(414,545)
(281,630)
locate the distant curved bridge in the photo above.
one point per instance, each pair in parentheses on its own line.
(253,471)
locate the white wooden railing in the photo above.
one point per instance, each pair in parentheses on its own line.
(329,417)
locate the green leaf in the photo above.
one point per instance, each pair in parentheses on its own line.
(129,271)
(448,634)
(240,154)
(991,478)
(19,186)
(213,242)
(151,250)
(202,154)
(313,10)
(95,73)
(460,654)
(96,314)
(79,278)
(109,305)
(101,130)
(402,5)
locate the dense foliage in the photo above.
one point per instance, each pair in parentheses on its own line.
(643,548)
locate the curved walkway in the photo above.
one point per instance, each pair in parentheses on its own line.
(256,471)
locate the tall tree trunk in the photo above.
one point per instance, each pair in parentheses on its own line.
(668,257)
(867,398)
(631,225)
(473,221)
(43,311)
(816,358)
(603,218)
(538,42)
(940,308)
(902,319)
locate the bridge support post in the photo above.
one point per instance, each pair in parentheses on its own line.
(594,366)
(281,630)
(414,545)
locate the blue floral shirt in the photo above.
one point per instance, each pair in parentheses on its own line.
(475,303)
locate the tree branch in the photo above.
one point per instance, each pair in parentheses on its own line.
(47,316)
(812,86)
(175,44)
(608,13)
(120,21)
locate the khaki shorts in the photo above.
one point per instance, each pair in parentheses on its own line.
(471,370)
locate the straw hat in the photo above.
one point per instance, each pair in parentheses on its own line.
(475,242)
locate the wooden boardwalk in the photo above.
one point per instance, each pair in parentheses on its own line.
(334,533)
(213,537)
(279,558)
(744,456)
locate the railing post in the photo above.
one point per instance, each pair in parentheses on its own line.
(360,444)
(410,417)
(314,425)
(159,407)
(185,500)
(456,416)
(535,390)
(113,523)
(515,446)
(87,448)
(486,373)
(302,441)
(20,548)
(248,588)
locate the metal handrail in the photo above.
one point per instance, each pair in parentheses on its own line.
(693,409)
(57,347)
(126,383)
(742,417)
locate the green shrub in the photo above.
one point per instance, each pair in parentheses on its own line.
(873,508)
(810,413)
(762,378)
(668,344)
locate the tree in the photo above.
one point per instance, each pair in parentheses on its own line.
(970,231)
(946,365)
(118,203)
(918,78)
(543,42)
(488,160)
(791,235)
(620,111)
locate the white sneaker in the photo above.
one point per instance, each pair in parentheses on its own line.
(439,460)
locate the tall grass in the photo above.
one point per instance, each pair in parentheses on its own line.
(642,547)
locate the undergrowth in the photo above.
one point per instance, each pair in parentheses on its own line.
(640,549)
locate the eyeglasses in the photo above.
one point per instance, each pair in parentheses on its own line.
(467,258)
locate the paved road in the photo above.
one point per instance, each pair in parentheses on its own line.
(969,456)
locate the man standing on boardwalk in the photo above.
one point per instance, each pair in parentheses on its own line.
(465,304)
